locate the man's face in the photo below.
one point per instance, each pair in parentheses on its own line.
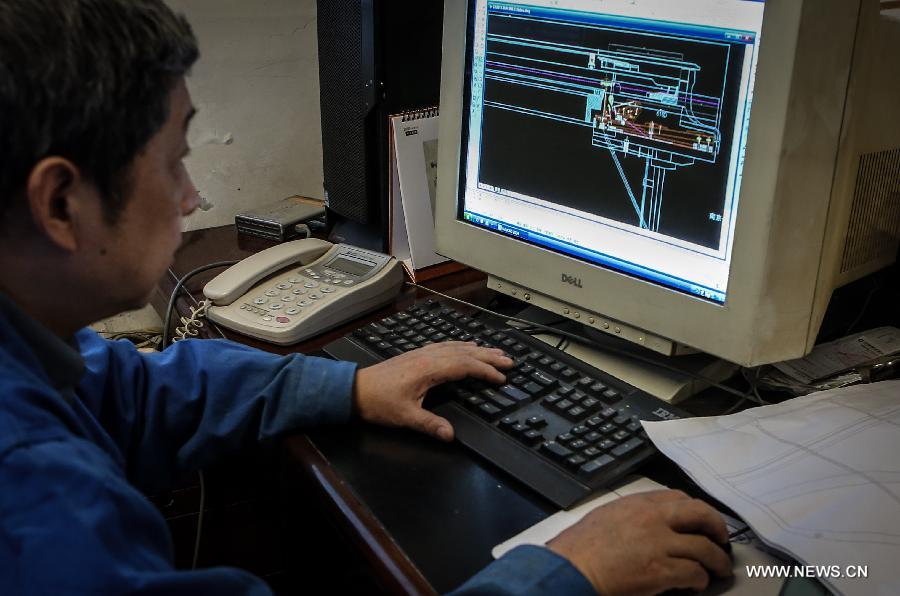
(132,255)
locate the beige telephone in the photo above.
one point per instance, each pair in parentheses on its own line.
(298,289)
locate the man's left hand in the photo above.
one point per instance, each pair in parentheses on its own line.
(391,392)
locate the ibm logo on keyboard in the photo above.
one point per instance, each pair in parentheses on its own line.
(573,281)
(664,414)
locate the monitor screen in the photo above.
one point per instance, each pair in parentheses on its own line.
(612,131)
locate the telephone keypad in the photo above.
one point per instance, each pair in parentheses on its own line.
(290,291)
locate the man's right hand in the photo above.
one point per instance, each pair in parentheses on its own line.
(648,543)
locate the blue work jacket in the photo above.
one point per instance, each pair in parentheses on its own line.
(88,426)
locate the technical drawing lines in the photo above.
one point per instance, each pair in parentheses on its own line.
(638,102)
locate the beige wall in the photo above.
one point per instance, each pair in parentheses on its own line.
(257,135)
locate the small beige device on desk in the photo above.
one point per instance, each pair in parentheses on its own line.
(298,289)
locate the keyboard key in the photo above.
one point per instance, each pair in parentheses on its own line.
(607,429)
(575,461)
(577,396)
(551,400)
(519,380)
(532,437)
(545,361)
(536,422)
(565,438)
(514,394)
(555,450)
(525,369)
(488,411)
(565,390)
(596,465)
(379,329)
(594,422)
(472,402)
(598,388)
(611,396)
(575,413)
(578,445)
(584,382)
(579,430)
(607,413)
(532,388)
(593,437)
(620,436)
(557,366)
(621,420)
(633,427)
(628,447)
(507,423)
(563,405)
(605,445)
(568,373)
(504,403)
(543,378)
(590,404)
(591,453)
(518,429)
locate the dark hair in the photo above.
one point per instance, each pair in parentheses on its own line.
(87,80)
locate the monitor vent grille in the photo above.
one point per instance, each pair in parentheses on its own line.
(875,216)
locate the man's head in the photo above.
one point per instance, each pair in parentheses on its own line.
(93,113)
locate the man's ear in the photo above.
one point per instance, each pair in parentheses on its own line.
(55,191)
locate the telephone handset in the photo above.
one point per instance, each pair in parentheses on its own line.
(298,289)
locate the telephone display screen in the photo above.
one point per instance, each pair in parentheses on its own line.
(352,267)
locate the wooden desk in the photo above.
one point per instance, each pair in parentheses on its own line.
(424,514)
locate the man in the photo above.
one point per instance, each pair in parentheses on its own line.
(93,116)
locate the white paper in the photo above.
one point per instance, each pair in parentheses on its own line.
(837,356)
(817,477)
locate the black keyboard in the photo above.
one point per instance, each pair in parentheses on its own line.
(560,426)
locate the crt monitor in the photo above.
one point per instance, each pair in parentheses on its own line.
(695,175)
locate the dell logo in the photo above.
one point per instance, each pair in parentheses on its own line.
(574,281)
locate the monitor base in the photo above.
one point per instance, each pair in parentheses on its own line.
(664,384)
